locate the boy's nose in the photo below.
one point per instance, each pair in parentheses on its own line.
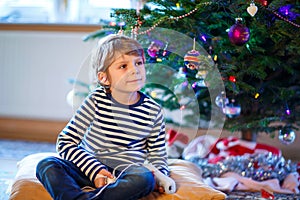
(134,69)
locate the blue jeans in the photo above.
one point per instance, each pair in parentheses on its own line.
(63,180)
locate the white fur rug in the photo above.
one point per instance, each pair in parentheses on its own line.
(12,151)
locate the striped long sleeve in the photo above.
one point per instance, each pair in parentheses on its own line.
(103,133)
(68,142)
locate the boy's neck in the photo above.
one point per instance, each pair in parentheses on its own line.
(126,98)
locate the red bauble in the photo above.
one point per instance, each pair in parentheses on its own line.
(239,34)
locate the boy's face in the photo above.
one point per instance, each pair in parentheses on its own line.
(127,74)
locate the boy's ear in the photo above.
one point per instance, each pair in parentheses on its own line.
(102,77)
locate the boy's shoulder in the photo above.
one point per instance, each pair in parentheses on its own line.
(97,93)
(98,90)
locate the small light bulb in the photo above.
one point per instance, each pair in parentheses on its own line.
(182,107)
(153,94)
(215,58)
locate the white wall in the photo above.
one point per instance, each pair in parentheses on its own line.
(34,72)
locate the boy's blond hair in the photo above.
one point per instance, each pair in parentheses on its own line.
(112,47)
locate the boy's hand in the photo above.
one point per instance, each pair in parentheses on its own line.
(159,189)
(101,178)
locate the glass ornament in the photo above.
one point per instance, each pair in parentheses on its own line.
(232,109)
(191,59)
(221,100)
(286,136)
(238,33)
(153,49)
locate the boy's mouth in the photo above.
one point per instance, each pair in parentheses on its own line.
(135,80)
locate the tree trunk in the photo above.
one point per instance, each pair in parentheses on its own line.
(249,135)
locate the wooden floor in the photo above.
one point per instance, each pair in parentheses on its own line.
(30,129)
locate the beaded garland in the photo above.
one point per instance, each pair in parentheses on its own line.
(134,29)
(173,18)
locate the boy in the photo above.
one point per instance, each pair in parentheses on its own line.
(115,130)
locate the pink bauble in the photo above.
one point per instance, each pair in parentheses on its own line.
(153,49)
(239,34)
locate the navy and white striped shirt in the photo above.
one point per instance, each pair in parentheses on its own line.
(104,132)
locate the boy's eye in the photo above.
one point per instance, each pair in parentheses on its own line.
(123,66)
(139,63)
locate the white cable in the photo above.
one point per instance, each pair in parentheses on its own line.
(163,180)
(115,179)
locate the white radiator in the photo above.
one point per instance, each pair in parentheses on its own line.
(34,72)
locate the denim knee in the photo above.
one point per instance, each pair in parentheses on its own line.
(57,176)
(135,182)
(44,164)
(144,179)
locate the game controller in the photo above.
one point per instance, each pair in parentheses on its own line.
(110,180)
(107,180)
(166,182)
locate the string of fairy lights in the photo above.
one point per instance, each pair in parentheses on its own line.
(174,18)
(231,109)
(160,21)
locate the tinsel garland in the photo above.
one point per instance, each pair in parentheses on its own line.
(259,167)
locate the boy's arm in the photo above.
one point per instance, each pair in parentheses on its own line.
(157,145)
(71,136)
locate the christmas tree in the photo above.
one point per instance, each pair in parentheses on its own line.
(253,45)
